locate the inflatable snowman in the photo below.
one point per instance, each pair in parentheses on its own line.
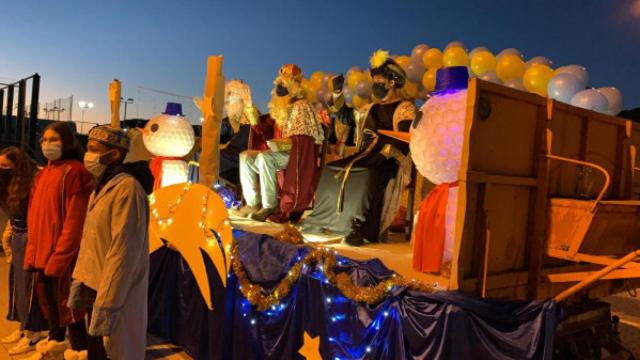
(436,148)
(169,138)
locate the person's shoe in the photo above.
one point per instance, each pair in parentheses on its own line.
(13,338)
(24,346)
(355,238)
(263,214)
(245,211)
(50,350)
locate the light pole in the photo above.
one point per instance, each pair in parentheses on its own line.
(125,102)
(84,105)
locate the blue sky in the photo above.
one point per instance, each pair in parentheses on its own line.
(79,46)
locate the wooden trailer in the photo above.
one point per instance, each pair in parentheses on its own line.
(546,201)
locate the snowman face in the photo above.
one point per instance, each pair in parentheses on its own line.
(168,135)
(436,140)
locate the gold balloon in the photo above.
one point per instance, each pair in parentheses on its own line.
(316,78)
(536,79)
(455,56)
(429,79)
(403,61)
(432,59)
(483,61)
(509,66)
(359,102)
(410,89)
(354,78)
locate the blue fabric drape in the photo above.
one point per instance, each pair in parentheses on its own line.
(407,325)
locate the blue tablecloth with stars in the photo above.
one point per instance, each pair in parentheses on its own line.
(407,325)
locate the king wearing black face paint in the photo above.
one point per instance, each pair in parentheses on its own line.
(353,196)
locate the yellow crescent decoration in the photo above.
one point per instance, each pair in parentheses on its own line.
(311,347)
(192,219)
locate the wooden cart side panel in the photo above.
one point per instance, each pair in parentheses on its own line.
(588,136)
(501,143)
(635,141)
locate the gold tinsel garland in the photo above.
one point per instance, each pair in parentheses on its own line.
(370,295)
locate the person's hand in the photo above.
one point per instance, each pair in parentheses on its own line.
(251,112)
(106,341)
(339,149)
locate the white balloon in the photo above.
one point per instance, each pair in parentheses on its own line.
(614,97)
(515,83)
(490,76)
(591,99)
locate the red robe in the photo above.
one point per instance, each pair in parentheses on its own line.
(264,131)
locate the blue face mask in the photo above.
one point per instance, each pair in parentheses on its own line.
(380,90)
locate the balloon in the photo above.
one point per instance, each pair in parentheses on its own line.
(414,71)
(455,44)
(422,94)
(482,61)
(510,51)
(348,96)
(536,78)
(563,87)
(539,60)
(403,61)
(432,59)
(418,51)
(316,78)
(490,76)
(358,102)
(476,50)
(591,99)
(455,56)
(410,89)
(429,80)
(325,80)
(509,66)
(326,98)
(354,78)
(576,70)
(363,89)
(320,93)
(515,83)
(614,98)
(353,69)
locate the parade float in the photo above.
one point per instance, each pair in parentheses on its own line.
(539,221)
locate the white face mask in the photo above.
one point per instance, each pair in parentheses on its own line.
(52,151)
(93,165)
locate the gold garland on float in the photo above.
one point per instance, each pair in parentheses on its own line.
(263,300)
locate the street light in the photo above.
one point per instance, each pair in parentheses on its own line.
(84,105)
(125,102)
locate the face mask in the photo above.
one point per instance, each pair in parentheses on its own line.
(93,165)
(281,91)
(379,90)
(52,151)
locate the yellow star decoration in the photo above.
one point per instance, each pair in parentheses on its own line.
(311,347)
(182,215)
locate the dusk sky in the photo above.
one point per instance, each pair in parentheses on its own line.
(79,46)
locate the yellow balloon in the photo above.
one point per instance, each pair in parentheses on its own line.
(432,59)
(455,56)
(354,78)
(316,78)
(367,74)
(429,79)
(410,89)
(403,61)
(359,102)
(536,79)
(509,66)
(483,61)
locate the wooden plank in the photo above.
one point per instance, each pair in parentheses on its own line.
(537,220)
(600,260)
(579,276)
(479,177)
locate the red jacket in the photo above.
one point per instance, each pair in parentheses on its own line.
(57,208)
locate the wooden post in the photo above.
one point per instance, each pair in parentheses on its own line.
(537,222)
(115,91)
(22,94)
(33,112)
(211,107)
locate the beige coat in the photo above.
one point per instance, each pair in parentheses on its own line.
(114,261)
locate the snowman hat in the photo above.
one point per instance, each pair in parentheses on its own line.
(174,109)
(451,79)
